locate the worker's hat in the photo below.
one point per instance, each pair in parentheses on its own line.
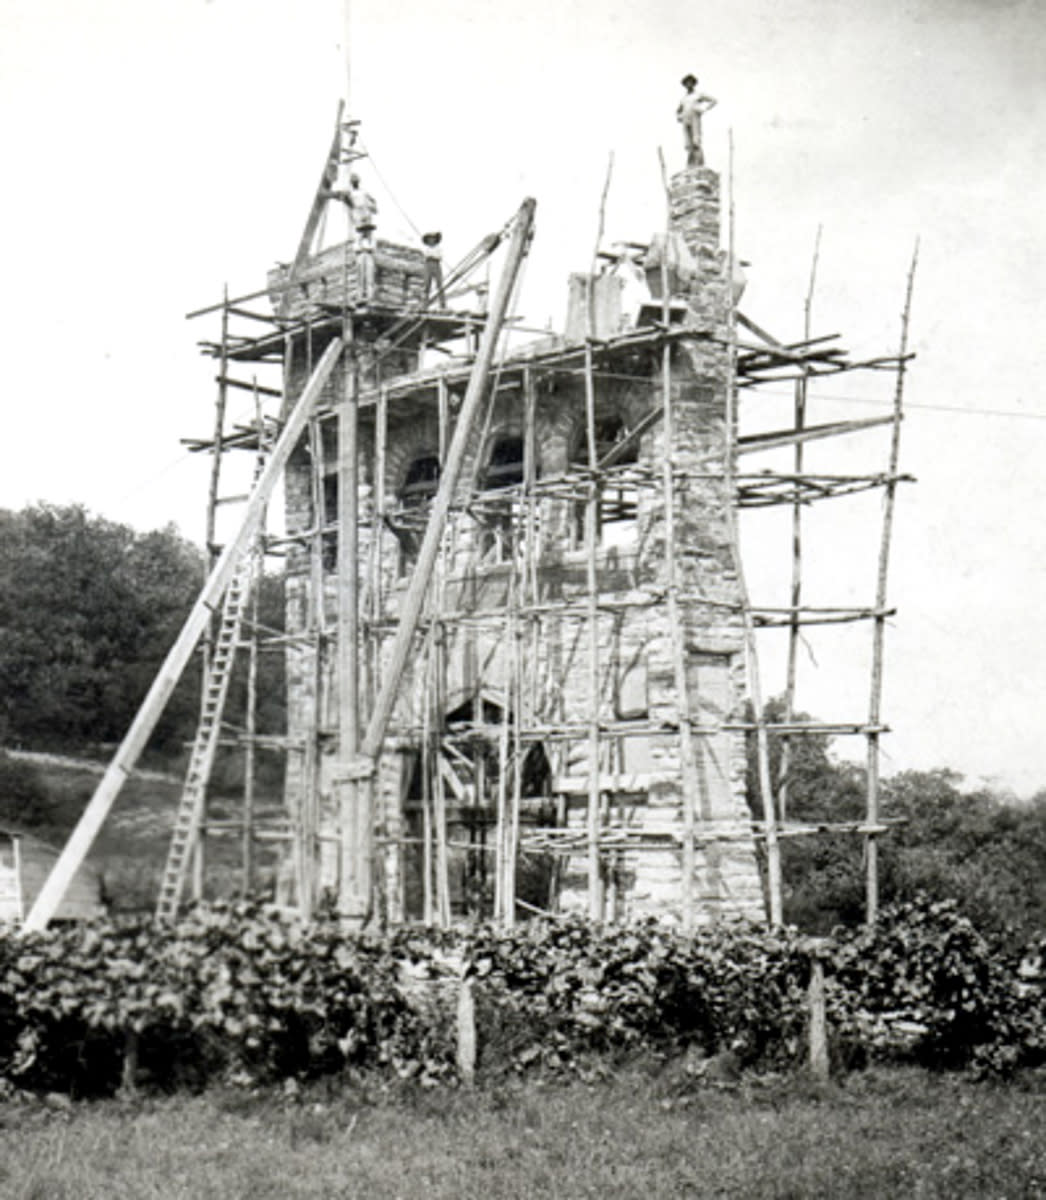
(689,80)
(432,239)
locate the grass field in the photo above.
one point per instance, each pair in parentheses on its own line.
(131,847)
(879,1134)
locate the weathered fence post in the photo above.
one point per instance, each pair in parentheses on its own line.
(466,1030)
(129,1069)
(818,1020)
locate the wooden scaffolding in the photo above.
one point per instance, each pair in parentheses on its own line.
(490,781)
(495,839)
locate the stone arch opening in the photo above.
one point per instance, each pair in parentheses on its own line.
(470,767)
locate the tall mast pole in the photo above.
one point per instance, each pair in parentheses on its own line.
(347,43)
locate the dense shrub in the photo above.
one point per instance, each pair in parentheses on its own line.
(923,984)
(585,988)
(24,802)
(240,992)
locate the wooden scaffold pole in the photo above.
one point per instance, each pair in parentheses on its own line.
(353,811)
(879,626)
(794,625)
(442,858)
(527,579)
(593,496)
(199,850)
(250,755)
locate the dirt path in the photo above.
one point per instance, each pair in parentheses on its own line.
(87,764)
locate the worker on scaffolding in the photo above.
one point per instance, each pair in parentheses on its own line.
(433,243)
(363,211)
(363,208)
(691,108)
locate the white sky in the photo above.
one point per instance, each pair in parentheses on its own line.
(153,151)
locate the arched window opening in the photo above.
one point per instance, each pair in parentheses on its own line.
(500,514)
(504,464)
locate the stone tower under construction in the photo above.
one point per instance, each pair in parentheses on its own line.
(567,730)
(520,651)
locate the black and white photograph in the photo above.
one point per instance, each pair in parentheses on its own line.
(521,566)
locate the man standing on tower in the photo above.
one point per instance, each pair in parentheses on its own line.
(363,211)
(363,208)
(689,113)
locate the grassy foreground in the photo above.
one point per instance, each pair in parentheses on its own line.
(879,1134)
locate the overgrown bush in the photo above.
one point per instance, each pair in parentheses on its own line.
(923,984)
(589,988)
(24,802)
(239,992)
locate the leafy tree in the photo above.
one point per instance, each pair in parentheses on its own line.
(974,847)
(88,609)
(987,853)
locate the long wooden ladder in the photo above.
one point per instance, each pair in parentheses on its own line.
(205,745)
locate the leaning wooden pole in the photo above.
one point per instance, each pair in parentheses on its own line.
(879,628)
(414,598)
(134,742)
